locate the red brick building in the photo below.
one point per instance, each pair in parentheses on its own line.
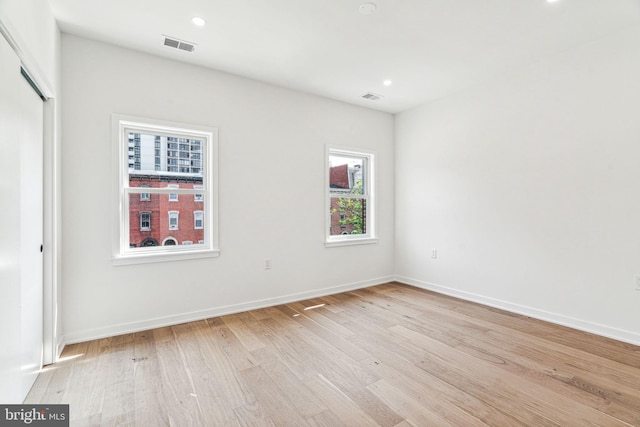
(165,219)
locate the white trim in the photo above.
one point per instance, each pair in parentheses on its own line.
(52,205)
(143,325)
(559,319)
(352,240)
(181,253)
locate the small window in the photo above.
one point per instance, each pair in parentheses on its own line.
(198,197)
(145,196)
(198,220)
(145,221)
(173,197)
(160,165)
(173,220)
(350,197)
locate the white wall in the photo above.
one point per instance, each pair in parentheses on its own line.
(529,187)
(272,144)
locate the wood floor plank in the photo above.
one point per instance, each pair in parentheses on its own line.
(274,402)
(118,408)
(416,412)
(301,398)
(252,415)
(341,405)
(209,389)
(150,408)
(388,355)
(178,392)
(325,419)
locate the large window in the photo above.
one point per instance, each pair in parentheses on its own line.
(157,162)
(350,197)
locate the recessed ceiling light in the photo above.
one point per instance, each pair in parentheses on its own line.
(367,8)
(552,1)
(198,21)
(387,82)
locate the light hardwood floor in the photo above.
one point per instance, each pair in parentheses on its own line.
(389,355)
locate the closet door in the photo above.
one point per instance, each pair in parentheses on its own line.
(21,220)
(31,232)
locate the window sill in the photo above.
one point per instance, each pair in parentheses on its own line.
(351,242)
(147,258)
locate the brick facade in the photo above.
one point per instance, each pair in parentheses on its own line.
(158,207)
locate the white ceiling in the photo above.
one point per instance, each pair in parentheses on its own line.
(428,48)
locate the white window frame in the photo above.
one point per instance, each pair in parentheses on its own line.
(122,253)
(368,193)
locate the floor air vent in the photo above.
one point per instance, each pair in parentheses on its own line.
(179,44)
(371,96)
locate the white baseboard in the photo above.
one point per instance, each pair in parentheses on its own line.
(143,325)
(559,319)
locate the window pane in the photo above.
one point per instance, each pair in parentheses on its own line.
(154,221)
(149,153)
(346,175)
(348,216)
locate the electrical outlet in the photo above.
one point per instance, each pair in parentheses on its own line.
(267,264)
(434,253)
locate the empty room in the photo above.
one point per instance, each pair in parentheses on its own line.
(336,213)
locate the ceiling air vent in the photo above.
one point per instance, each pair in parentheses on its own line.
(179,44)
(371,96)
